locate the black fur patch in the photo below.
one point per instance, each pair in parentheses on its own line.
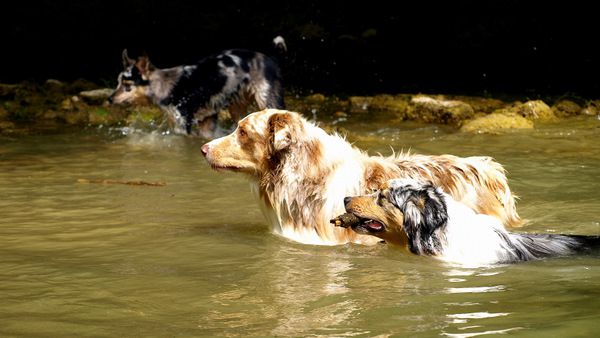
(195,89)
(425,213)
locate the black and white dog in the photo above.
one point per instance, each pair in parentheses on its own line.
(193,95)
(427,221)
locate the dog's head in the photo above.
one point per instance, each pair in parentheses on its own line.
(258,144)
(403,212)
(133,82)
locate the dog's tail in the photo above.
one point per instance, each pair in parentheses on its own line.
(534,246)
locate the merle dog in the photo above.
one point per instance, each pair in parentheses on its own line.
(193,95)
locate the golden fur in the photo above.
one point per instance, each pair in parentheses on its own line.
(301,175)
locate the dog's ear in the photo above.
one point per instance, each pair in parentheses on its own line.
(424,212)
(281,130)
(126,60)
(144,65)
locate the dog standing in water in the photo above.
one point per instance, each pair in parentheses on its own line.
(301,175)
(426,221)
(193,95)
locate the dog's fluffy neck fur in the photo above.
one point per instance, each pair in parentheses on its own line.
(298,181)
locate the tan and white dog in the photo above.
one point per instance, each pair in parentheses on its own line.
(301,175)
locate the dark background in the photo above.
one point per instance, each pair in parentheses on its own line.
(468,47)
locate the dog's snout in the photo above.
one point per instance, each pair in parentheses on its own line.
(111,99)
(205,148)
(347,200)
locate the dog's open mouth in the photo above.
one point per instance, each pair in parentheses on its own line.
(350,220)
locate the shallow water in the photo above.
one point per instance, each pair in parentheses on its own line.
(196,258)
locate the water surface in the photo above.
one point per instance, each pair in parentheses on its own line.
(196,258)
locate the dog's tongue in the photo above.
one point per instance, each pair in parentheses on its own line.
(375,226)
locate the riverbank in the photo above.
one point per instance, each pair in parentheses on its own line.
(54,105)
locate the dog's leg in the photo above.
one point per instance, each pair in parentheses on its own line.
(189,122)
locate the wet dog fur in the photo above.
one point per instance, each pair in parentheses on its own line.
(427,221)
(193,95)
(301,174)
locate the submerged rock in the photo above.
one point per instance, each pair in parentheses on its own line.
(496,122)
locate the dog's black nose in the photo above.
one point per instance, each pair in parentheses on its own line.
(110,99)
(347,200)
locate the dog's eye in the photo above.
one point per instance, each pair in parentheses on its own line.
(127,88)
(242,132)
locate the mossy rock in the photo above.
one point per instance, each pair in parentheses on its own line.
(3,114)
(145,114)
(592,108)
(383,102)
(96,96)
(316,98)
(6,127)
(76,117)
(495,123)
(566,108)
(535,110)
(438,110)
(360,103)
(481,104)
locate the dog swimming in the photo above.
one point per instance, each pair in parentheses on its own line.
(417,216)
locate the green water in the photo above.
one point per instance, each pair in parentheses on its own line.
(196,258)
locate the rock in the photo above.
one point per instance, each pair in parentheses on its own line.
(6,127)
(592,108)
(3,113)
(314,98)
(384,102)
(50,115)
(438,110)
(360,103)
(98,115)
(8,90)
(496,122)
(54,83)
(481,104)
(76,117)
(566,108)
(146,114)
(532,110)
(96,96)
(396,104)
(67,104)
